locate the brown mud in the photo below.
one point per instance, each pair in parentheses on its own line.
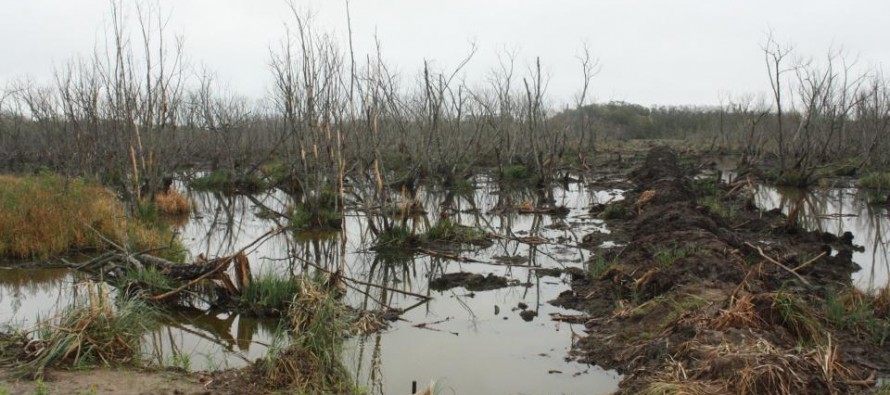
(712,296)
(471,281)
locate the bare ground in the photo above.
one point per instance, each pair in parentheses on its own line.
(734,301)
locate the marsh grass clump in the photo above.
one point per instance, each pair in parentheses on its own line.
(599,266)
(446,230)
(515,173)
(47,215)
(668,256)
(269,294)
(317,211)
(309,361)
(396,237)
(858,312)
(96,329)
(719,208)
(615,210)
(797,316)
(706,186)
(303,217)
(792,178)
(876,180)
(172,203)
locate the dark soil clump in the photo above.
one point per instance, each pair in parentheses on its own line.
(703,302)
(471,281)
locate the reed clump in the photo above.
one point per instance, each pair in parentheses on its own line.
(269,294)
(45,215)
(96,329)
(309,361)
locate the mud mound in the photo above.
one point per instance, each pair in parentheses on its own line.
(733,300)
(470,281)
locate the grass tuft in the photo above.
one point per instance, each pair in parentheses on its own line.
(309,362)
(94,330)
(446,230)
(269,294)
(877,180)
(172,203)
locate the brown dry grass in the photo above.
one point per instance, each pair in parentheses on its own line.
(740,314)
(47,215)
(172,203)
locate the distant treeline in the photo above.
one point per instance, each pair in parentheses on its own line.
(133,114)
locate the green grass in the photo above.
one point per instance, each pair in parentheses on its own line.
(599,266)
(798,317)
(876,180)
(148,280)
(614,210)
(308,361)
(683,304)
(463,186)
(40,388)
(721,209)
(853,311)
(791,178)
(303,217)
(269,294)
(396,237)
(446,230)
(515,173)
(667,257)
(706,186)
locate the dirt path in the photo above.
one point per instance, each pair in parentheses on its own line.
(712,296)
(107,381)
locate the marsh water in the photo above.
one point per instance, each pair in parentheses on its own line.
(468,342)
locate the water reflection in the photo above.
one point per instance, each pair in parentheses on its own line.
(471,342)
(839,210)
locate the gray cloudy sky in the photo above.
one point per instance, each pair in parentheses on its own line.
(652,52)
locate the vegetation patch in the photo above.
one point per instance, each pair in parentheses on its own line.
(516,173)
(172,203)
(269,294)
(46,215)
(396,237)
(222,181)
(307,218)
(615,210)
(446,230)
(308,361)
(96,329)
(877,180)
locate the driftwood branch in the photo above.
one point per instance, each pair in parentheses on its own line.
(779,264)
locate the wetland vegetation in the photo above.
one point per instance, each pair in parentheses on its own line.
(357,232)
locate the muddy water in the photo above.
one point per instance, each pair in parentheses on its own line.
(468,342)
(839,210)
(835,210)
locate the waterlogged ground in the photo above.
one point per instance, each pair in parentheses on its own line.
(468,342)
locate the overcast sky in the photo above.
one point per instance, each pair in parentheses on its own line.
(652,52)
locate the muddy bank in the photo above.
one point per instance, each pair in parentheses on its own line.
(711,295)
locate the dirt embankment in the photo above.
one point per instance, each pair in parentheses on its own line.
(712,296)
